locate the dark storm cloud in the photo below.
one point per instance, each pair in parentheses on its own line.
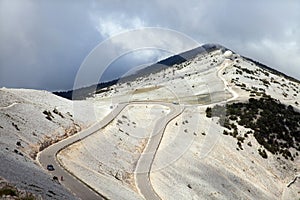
(43,43)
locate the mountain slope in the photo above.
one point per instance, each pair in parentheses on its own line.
(236,137)
(215,165)
(31,120)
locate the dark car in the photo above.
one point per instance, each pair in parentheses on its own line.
(50,167)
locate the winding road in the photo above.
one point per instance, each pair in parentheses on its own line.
(9,106)
(75,185)
(83,191)
(143,168)
(144,164)
(225,64)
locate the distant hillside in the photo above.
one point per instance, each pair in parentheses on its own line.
(173,60)
(83,93)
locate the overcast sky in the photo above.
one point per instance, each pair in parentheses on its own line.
(43,43)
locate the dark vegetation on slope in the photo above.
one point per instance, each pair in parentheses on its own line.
(83,93)
(274,125)
(173,60)
(11,192)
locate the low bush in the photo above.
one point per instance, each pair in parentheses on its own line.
(275,126)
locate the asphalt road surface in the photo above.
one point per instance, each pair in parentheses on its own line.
(143,168)
(75,185)
(81,189)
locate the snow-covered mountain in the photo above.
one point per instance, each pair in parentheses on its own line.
(237,136)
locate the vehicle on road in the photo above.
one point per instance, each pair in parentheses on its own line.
(50,167)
